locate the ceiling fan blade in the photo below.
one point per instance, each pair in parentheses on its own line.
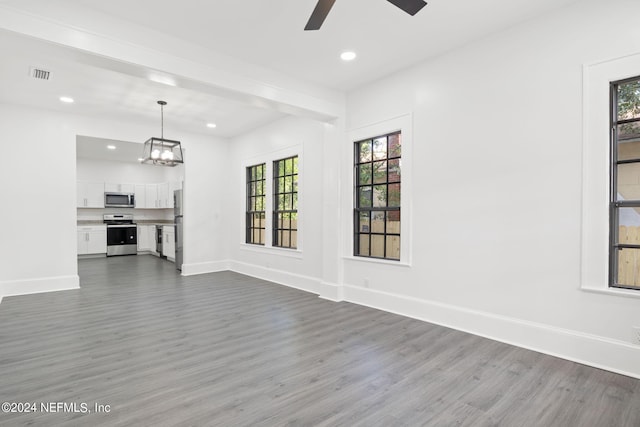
(410,6)
(319,14)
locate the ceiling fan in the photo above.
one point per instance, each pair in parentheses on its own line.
(324,6)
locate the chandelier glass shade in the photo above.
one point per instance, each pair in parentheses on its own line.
(161,151)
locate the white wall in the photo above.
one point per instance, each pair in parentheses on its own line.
(497,150)
(37,208)
(38,250)
(124,172)
(206,181)
(302,268)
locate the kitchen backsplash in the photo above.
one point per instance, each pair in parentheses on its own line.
(138,214)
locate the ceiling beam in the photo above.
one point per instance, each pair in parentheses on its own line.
(145,52)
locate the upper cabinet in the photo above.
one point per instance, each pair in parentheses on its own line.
(147,196)
(90,194)
(157,196)
(163,196)
(110,187)
(151,192)
(140,191)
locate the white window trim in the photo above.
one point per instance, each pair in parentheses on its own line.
(268,159)
(287,252)
(595,171)
(404,124)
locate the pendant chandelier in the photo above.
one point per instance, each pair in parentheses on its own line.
(161,151)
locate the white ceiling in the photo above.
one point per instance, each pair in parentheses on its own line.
(99,91)
(268,34)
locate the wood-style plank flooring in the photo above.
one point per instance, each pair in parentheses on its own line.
(225,349)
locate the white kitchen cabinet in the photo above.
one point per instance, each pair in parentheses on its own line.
(140,194)
(156,196)
(146,238)
(143,240)
(151,195)
(169,242)
(163,196)
(92,240)
(111,187)
(90,194)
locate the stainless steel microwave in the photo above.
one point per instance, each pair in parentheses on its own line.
(119,200)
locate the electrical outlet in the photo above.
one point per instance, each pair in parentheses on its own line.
(636,335)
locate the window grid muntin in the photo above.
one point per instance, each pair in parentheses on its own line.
(615,247)
(370,209)
(285,213)
(256,200)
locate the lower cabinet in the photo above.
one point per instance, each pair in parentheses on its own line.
(169,242)
(146,238)
(92,240)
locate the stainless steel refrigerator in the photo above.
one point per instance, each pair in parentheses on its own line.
(178,218)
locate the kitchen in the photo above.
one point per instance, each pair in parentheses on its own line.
(125,207)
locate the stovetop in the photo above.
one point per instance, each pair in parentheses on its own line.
(118,219)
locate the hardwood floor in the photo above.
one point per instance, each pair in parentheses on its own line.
(225,349)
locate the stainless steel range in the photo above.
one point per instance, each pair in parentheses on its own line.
(122,234)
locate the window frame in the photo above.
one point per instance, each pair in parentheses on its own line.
(615,247)
(276,229)
(371,209)
(363,130)
(596,165)
(249,212)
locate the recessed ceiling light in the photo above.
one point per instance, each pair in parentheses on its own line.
(66,99)
(211,125)
(348,56)
(111,147)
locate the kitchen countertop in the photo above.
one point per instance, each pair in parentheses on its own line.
(154,222)
(87,223)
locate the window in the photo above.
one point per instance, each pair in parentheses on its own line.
(255,214)
(624,200)
(377,197)
(285,202)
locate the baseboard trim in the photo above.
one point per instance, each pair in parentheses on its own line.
(204,267)
(603,353)
(332,292)
(39,285)
(305,283)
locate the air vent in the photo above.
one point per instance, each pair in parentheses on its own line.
(39,73)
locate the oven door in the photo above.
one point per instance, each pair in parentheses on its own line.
(122,240)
